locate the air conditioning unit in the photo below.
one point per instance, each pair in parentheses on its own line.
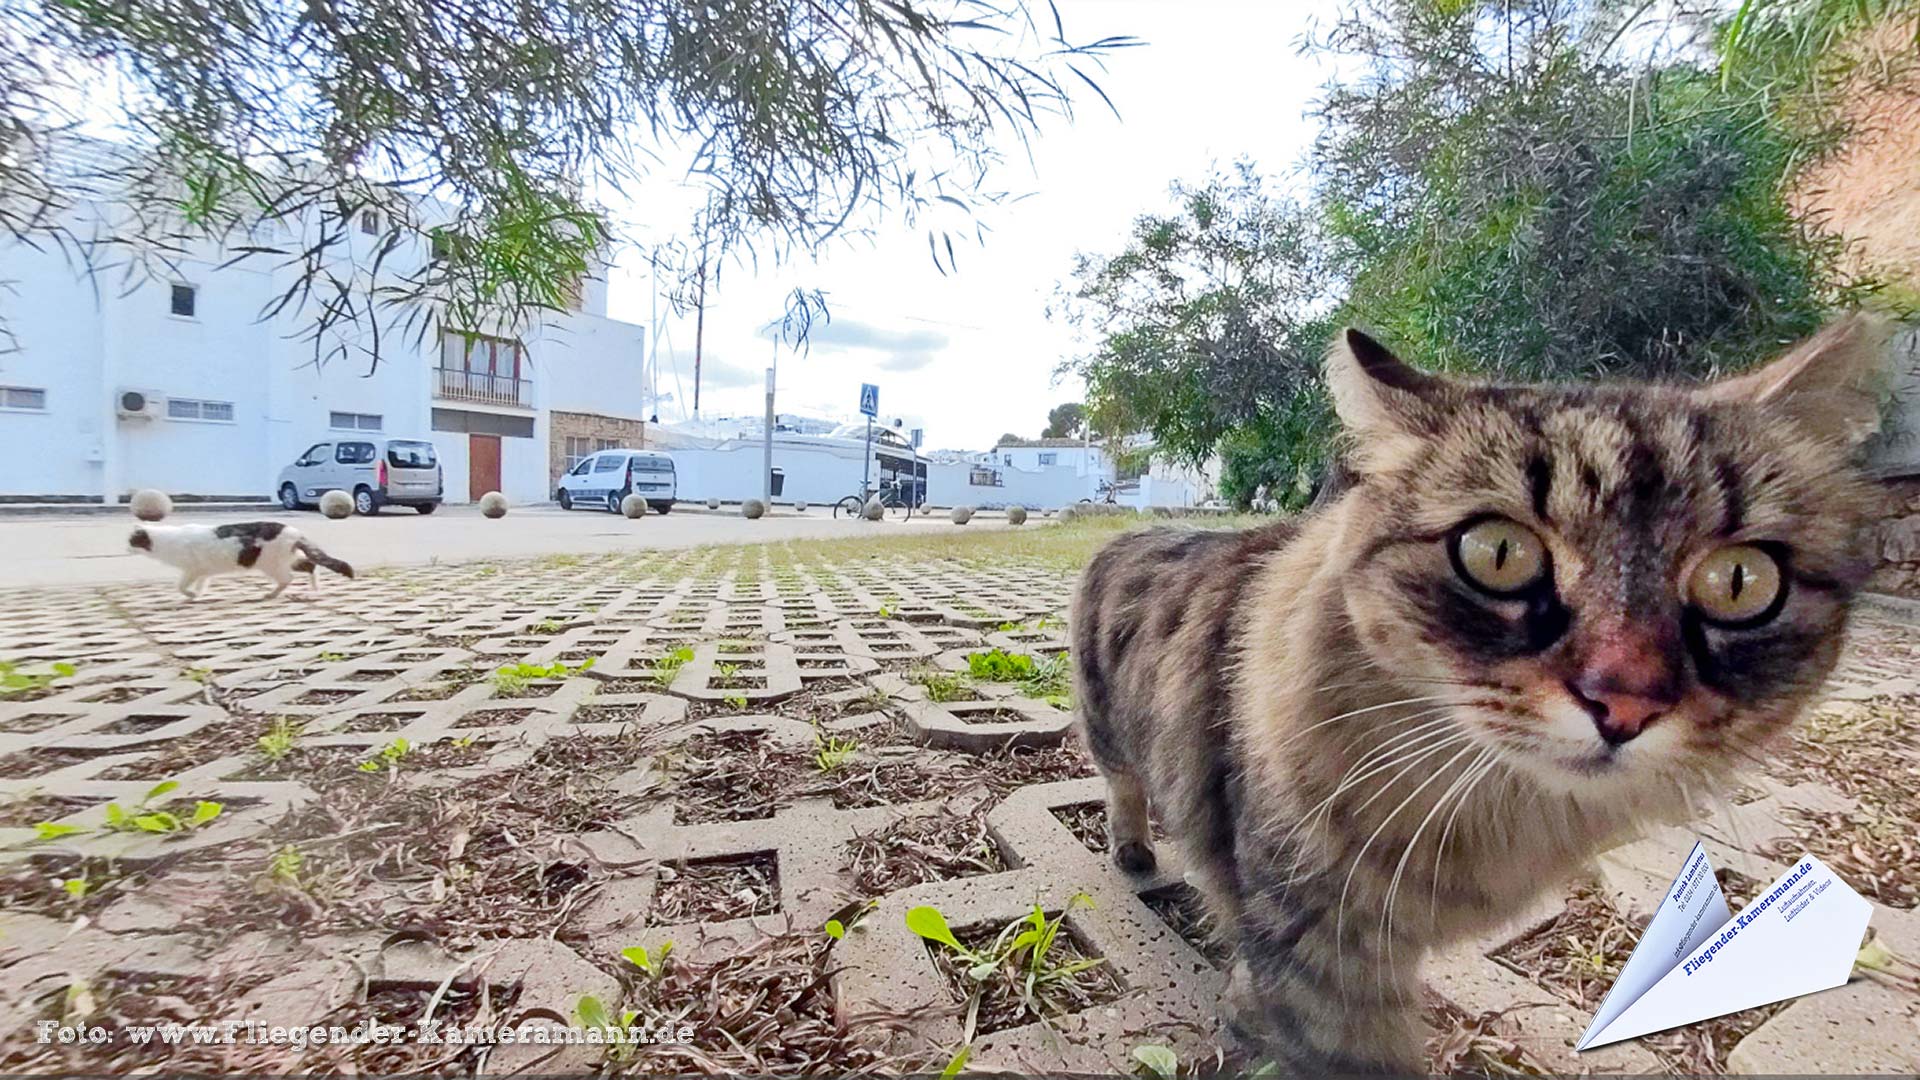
(138,404)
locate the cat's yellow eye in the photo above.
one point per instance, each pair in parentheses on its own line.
(1738,583)
(1500,556)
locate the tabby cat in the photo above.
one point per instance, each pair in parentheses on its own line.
(1541,617)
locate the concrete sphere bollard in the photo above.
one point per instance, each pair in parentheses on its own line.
(336,504)
(961,515)
(713,504)
(633,506)
(873,511)
(799,507)
(1069,512)
(753,509)
(493,504)
(150,505)
(1016,515)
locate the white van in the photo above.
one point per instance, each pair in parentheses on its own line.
(604,479)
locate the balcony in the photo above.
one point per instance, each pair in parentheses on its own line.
(482,388)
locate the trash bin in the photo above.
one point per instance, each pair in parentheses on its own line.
(779,480)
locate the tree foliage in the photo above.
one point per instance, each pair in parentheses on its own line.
(1065,421)
(1535,189)
(805,121)
(1209,321)
(1548,207)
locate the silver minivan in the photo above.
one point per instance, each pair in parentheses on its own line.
(377,472)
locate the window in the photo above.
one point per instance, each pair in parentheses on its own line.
(1049,459)
(411,454)
(370,222)
(581,447)
(315,454)
(609,463)
(349,421)
(479,354)
(354,453)
(980,476)
(580,469)
(182,300)
(24,398)
(1009,458)
(195,409)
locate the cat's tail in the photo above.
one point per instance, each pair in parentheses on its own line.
(314,556)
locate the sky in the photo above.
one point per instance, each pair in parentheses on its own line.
(971,354)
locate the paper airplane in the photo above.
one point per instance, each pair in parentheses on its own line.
(1697,961)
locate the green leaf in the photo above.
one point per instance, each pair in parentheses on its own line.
(203,812)
(1874,956)
(157,822)
(835,929)
(930,924)
(637,956)
(158,790)
(592,1013)
(53,830)
(983,970)
(76,887)
(116,817)
(1159,1061)
(64,670)
(959,1062)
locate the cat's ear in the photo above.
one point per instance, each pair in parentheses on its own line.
(1378,395)
(1832,384)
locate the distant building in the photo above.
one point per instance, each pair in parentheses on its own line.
(1076,454)
(179,385)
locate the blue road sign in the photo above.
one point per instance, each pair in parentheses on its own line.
(869,399)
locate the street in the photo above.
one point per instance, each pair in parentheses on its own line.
(91,549)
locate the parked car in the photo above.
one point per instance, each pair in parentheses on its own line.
(602,480)
(377,472)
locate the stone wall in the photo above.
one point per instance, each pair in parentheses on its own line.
(1898,540)
(618,430)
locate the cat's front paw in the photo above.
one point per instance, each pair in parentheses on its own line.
(1135,857)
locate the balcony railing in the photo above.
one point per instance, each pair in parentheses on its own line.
(482,388)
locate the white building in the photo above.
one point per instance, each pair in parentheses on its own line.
(231,399)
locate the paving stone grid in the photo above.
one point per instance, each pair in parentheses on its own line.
(731,730)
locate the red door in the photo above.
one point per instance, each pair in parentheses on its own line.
(483,465)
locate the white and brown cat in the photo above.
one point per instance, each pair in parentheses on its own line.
(203,551)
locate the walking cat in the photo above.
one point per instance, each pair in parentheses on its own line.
(1540,618)
(203,551)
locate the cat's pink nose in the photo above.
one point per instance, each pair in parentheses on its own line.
(1625,685)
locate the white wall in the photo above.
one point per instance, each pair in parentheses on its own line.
(1078,457)
(732,472)
(950,484)
(58,330)
(83,339)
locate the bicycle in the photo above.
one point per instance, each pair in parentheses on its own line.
(892,502)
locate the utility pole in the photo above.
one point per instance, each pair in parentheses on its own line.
(766,467)
(699,328)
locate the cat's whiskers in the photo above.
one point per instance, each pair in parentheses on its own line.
(1404,751)
(1491,762)
(1390,750)
(1400,868)
(1340,916)
(1289,740)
